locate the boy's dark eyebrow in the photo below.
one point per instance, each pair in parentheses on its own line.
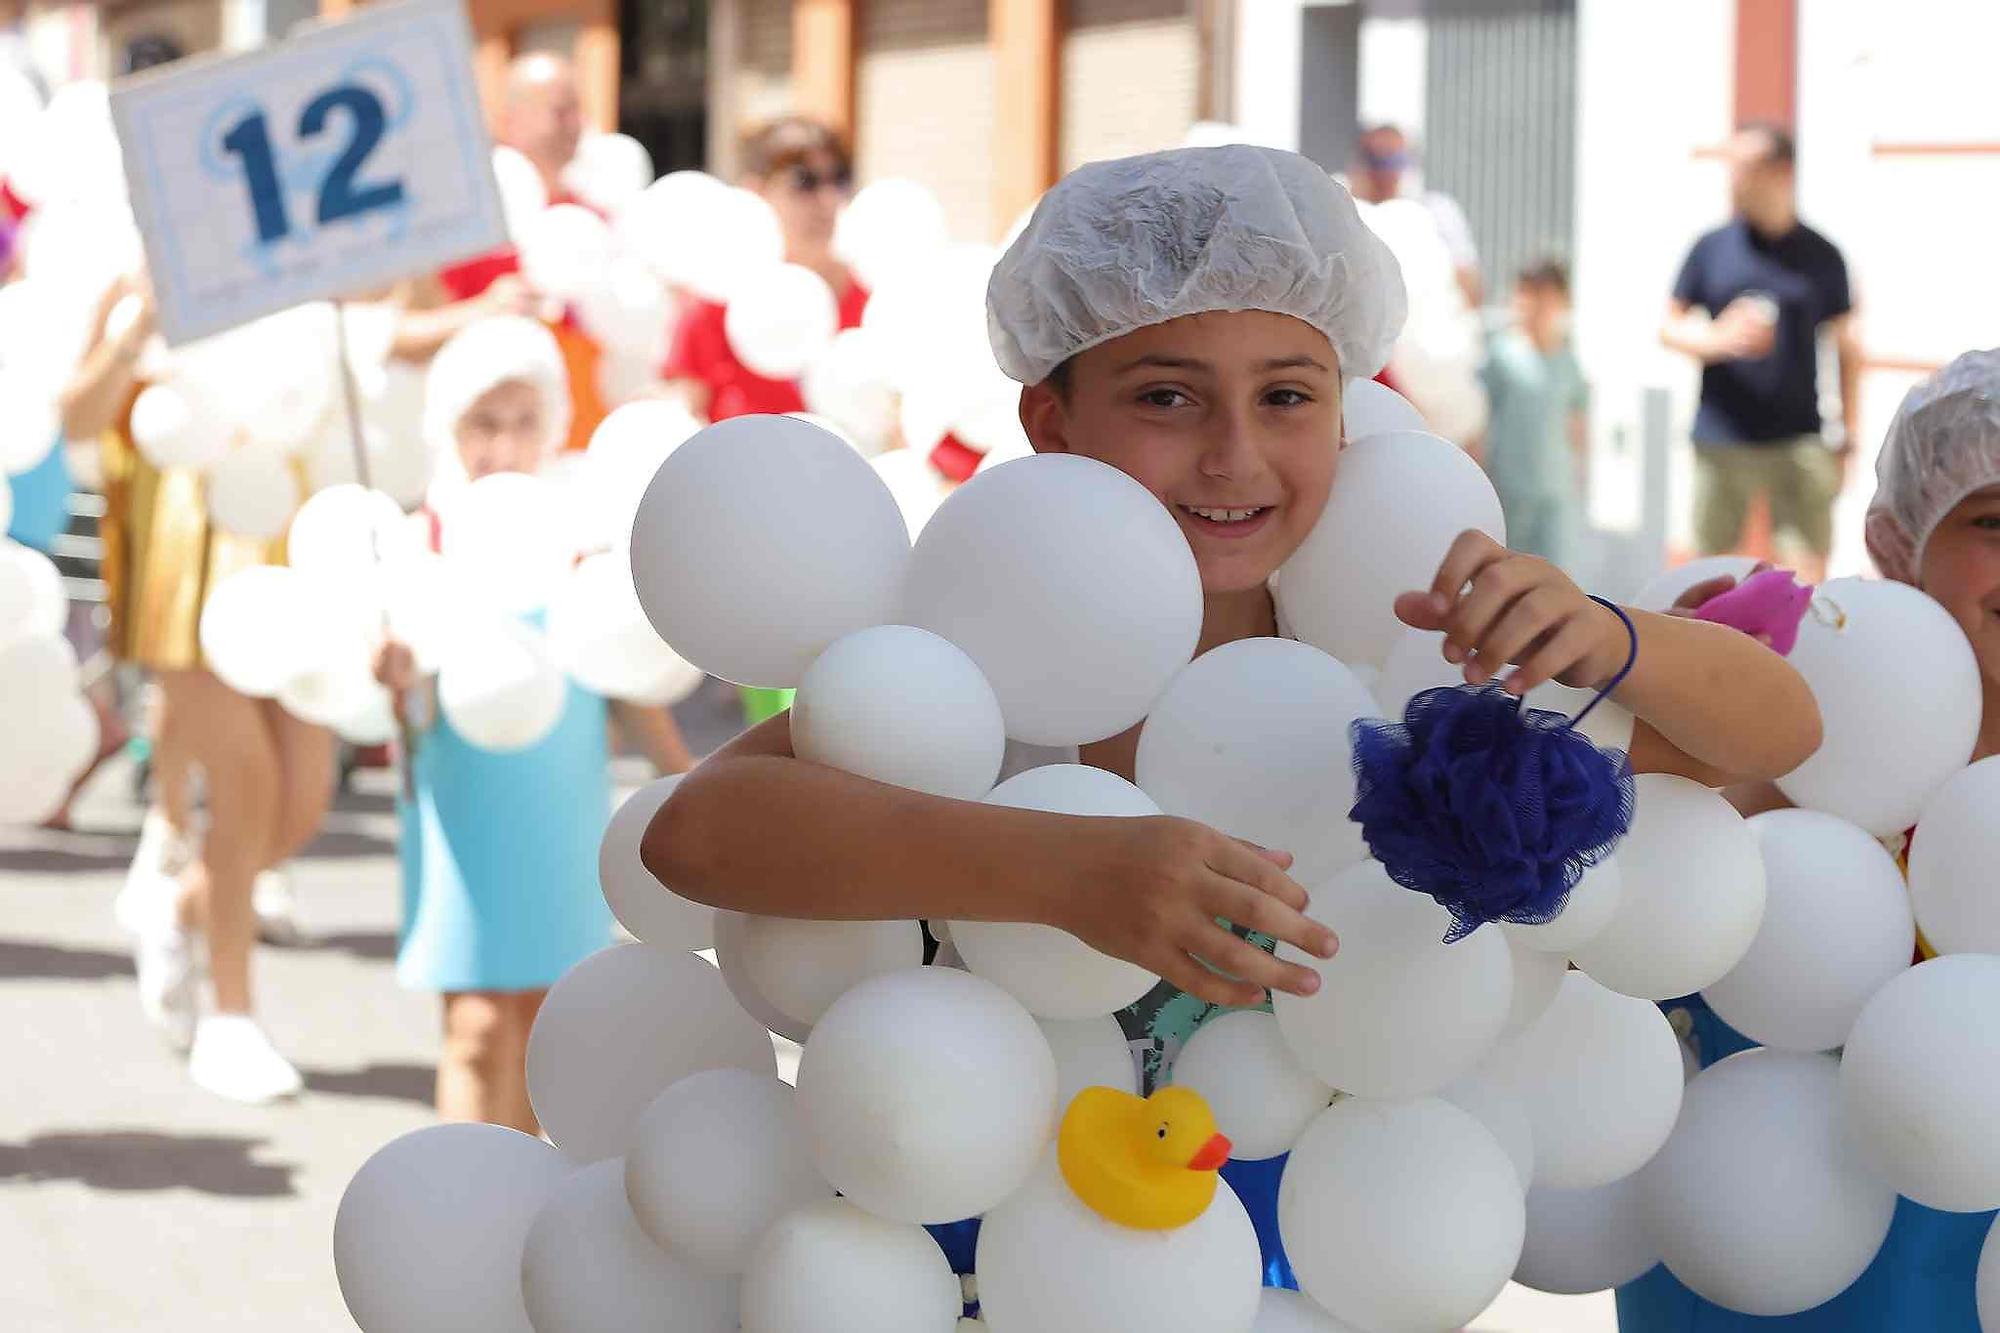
(1194,363)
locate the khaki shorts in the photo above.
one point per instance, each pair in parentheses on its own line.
(1799,478)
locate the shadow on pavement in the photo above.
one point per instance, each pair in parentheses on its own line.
(22,960)
(391,1082)
(374,945)
(145,1160)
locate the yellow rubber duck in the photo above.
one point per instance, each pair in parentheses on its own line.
(1147,1162)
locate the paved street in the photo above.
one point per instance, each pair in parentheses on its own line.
(131,1200)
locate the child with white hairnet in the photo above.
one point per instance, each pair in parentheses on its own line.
(1934,524)
(499,850)
(1189,317)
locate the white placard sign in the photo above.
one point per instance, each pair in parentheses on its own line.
(341,160)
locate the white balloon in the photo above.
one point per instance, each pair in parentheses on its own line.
(1920,1083)
(1591,907)
(1952,860)
(1399,1013)
(587,1265)
(344,531)
(1047,1261)
(761,541)
(628,312)
(888,225)
(717,1159)
(1693,894)
(609,169)
(803,966)
(1415,663)
(166,430)
(32,600)
(1338,590)
(601,638)
(1252,738)
(1836,928)
(1052,972)
(1588,1240)
(1072,588)
(1090,1053)
(701,234)
(340,691)
(1600,1077)
(1757,1202)
(829,1267)
(1537,977)
(1262,1098)
(1282,1311)
(39,665)
(1487,1098)
(928,1095)
(501,539)
(256,628)
(729,960)
(1434,1259)
(1899,700)
(848,383)
(252,493)
(1666,588)
(430,1231)
(918,488)
(780,319)
(1368,407)
(619,1029)
(28,407)
(625,453)
(565,250)
(903,707)
(654,913)
(523,197)
(499,687)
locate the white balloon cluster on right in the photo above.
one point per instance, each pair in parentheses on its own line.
(1512,1105)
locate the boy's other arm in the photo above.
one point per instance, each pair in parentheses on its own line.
(755,829)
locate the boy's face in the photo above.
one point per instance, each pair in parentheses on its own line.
(1961,571)
(503,431)
(1542,311)
(1232,419)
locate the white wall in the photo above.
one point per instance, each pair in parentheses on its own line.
(1654,88)
(1266,83)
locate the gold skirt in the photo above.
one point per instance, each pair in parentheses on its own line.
(162,556)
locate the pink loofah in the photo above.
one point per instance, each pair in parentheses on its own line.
(1770,604)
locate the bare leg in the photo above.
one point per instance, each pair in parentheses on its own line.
(480,1048)
(523,1006)
(305,781)
(230,739)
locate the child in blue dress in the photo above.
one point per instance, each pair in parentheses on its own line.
(499,850)
(1934,524)
(1189,317)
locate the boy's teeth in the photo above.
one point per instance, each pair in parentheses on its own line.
(1224,515)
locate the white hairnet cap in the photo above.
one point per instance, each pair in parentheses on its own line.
(481,357)
(1943,445)
(1120,245)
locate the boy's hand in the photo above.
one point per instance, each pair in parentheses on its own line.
(395,667)
(1149,890)
(1498,607)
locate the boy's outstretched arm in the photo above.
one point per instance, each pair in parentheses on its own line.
(756,830)
(1712,703)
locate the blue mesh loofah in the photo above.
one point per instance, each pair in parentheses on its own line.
(1493,809)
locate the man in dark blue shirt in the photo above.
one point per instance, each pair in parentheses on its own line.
(1749,305)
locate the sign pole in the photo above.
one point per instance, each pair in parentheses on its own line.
(358,442)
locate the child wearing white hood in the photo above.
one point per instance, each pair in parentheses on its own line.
(499,850)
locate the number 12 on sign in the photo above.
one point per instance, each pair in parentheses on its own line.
(341,194)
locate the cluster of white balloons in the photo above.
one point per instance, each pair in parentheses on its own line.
(531,585)
(1518,1096)
(1437,357)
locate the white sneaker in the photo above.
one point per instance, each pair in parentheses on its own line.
(154,878)
(233,1058)
(167,957)
(277,908)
